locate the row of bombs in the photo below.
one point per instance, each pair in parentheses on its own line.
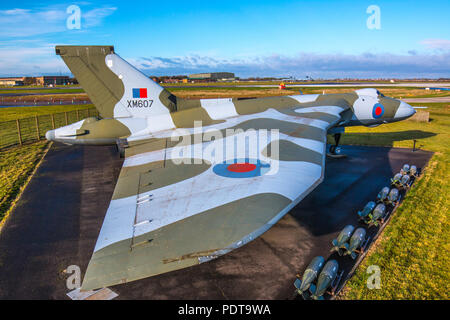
(404,178)
(375,213)
(350,241)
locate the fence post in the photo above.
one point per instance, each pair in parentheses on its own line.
(78,116)
(53,121)
(18,131)
(89,112)
(37,128)
(65,116)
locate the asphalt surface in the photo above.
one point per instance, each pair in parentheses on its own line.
(10,104)
(427,100)
(58,218)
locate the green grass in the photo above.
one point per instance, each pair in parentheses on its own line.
(16,166)
(14,113)
(413,252)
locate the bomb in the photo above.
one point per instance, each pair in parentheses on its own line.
(382,195)
(393,196)
(377,214)
(342,238)
(396,179)
(325,281)
(367,209)
(356,241)
(405,169)
(404,181)
(310,275)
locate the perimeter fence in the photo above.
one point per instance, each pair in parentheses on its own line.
(20,131)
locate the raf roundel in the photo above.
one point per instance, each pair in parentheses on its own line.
(377,111)
(241,168)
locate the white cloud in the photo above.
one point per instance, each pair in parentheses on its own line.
(14,12)
(440,44)
(28,61)
(366,65)
(95,17)
(34,57)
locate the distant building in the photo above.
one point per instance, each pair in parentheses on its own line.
(213,76)
(12,81)
(40,81)
(52,80)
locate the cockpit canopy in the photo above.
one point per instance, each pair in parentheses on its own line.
(371,92)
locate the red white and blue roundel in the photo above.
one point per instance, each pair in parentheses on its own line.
(377,111)
(241,168)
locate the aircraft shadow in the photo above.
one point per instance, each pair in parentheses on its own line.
(384,138)
(353,181)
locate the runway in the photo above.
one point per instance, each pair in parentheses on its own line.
(427,100)
(58,218)
(319,85)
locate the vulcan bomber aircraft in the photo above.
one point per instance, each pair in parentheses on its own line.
(200,177)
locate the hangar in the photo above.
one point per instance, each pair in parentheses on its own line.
(12,81)
(40,81)
(52,80)
(213,76)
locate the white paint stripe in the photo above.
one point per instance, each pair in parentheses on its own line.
(333,110)
(304,98)
(219,109)
(169,153)
(118,222)
(231,122)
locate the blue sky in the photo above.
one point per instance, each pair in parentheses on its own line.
(325,39)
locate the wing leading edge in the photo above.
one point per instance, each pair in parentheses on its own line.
(166,216)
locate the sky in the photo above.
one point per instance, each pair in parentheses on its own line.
(319,39)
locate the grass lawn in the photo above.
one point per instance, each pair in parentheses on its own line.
(14,113)
(413,252)
(16,167)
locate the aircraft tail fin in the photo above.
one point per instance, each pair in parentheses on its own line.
(116,88)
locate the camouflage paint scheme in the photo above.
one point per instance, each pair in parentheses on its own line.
(165,216)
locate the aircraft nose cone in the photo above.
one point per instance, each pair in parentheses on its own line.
(404,111)
(50,135)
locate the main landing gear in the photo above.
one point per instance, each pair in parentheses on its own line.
(335,150)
